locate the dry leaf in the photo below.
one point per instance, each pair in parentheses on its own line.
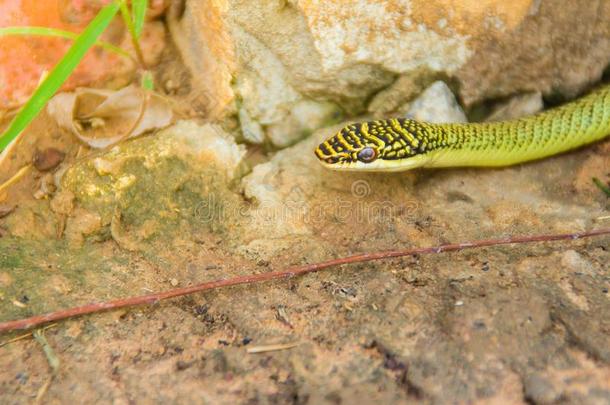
(101,118)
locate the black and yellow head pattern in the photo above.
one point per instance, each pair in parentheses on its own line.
(384,145)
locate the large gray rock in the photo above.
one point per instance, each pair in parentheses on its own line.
(267,58)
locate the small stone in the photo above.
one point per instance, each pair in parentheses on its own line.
(436,104)
(103,166)
(479,324)
(170,86)
(47,187)
(22,377)
(173,282)
(19,304)
(304,117)
(540,390)
(459,303)
(183,365)
(48,159)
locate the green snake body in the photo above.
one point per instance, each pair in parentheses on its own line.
(402,144)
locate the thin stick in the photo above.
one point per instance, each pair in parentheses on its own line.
(25,336)
(284,274)
(271,348)
(16,177)
(52,359)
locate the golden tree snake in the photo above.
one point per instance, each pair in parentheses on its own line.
(401,144)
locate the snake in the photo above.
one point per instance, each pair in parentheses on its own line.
(398,144)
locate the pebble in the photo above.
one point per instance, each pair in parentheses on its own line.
(540,390)
(436,104)
(48,159)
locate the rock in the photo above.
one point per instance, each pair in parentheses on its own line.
(149,185)
(305,117)
(48,159)
(268,57)
(547,51)
(396,96)
(46,187)
(541,391)
(517,107)
(436,104)
(579,381)
(251,130)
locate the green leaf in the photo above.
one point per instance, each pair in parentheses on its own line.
(60,73)
(147,81)
(53,32)
(138,11)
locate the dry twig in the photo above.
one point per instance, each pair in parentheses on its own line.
(53,363)
(284,274)
(271,348)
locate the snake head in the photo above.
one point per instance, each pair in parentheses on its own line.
(387,145)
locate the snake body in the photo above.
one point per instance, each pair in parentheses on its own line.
(401,144)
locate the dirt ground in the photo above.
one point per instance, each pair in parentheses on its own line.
(512,324)
(507,324)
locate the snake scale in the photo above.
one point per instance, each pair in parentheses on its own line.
(402,144)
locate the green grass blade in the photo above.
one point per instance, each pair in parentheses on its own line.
(53,32)
(603,187)
(129,23)
(138,12)
(128,20)
(147,81)
(60,73)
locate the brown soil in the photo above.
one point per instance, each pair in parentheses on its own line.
(497,325)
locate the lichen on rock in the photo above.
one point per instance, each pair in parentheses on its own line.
(151,185)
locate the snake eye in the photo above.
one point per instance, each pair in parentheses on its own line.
(367,155)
